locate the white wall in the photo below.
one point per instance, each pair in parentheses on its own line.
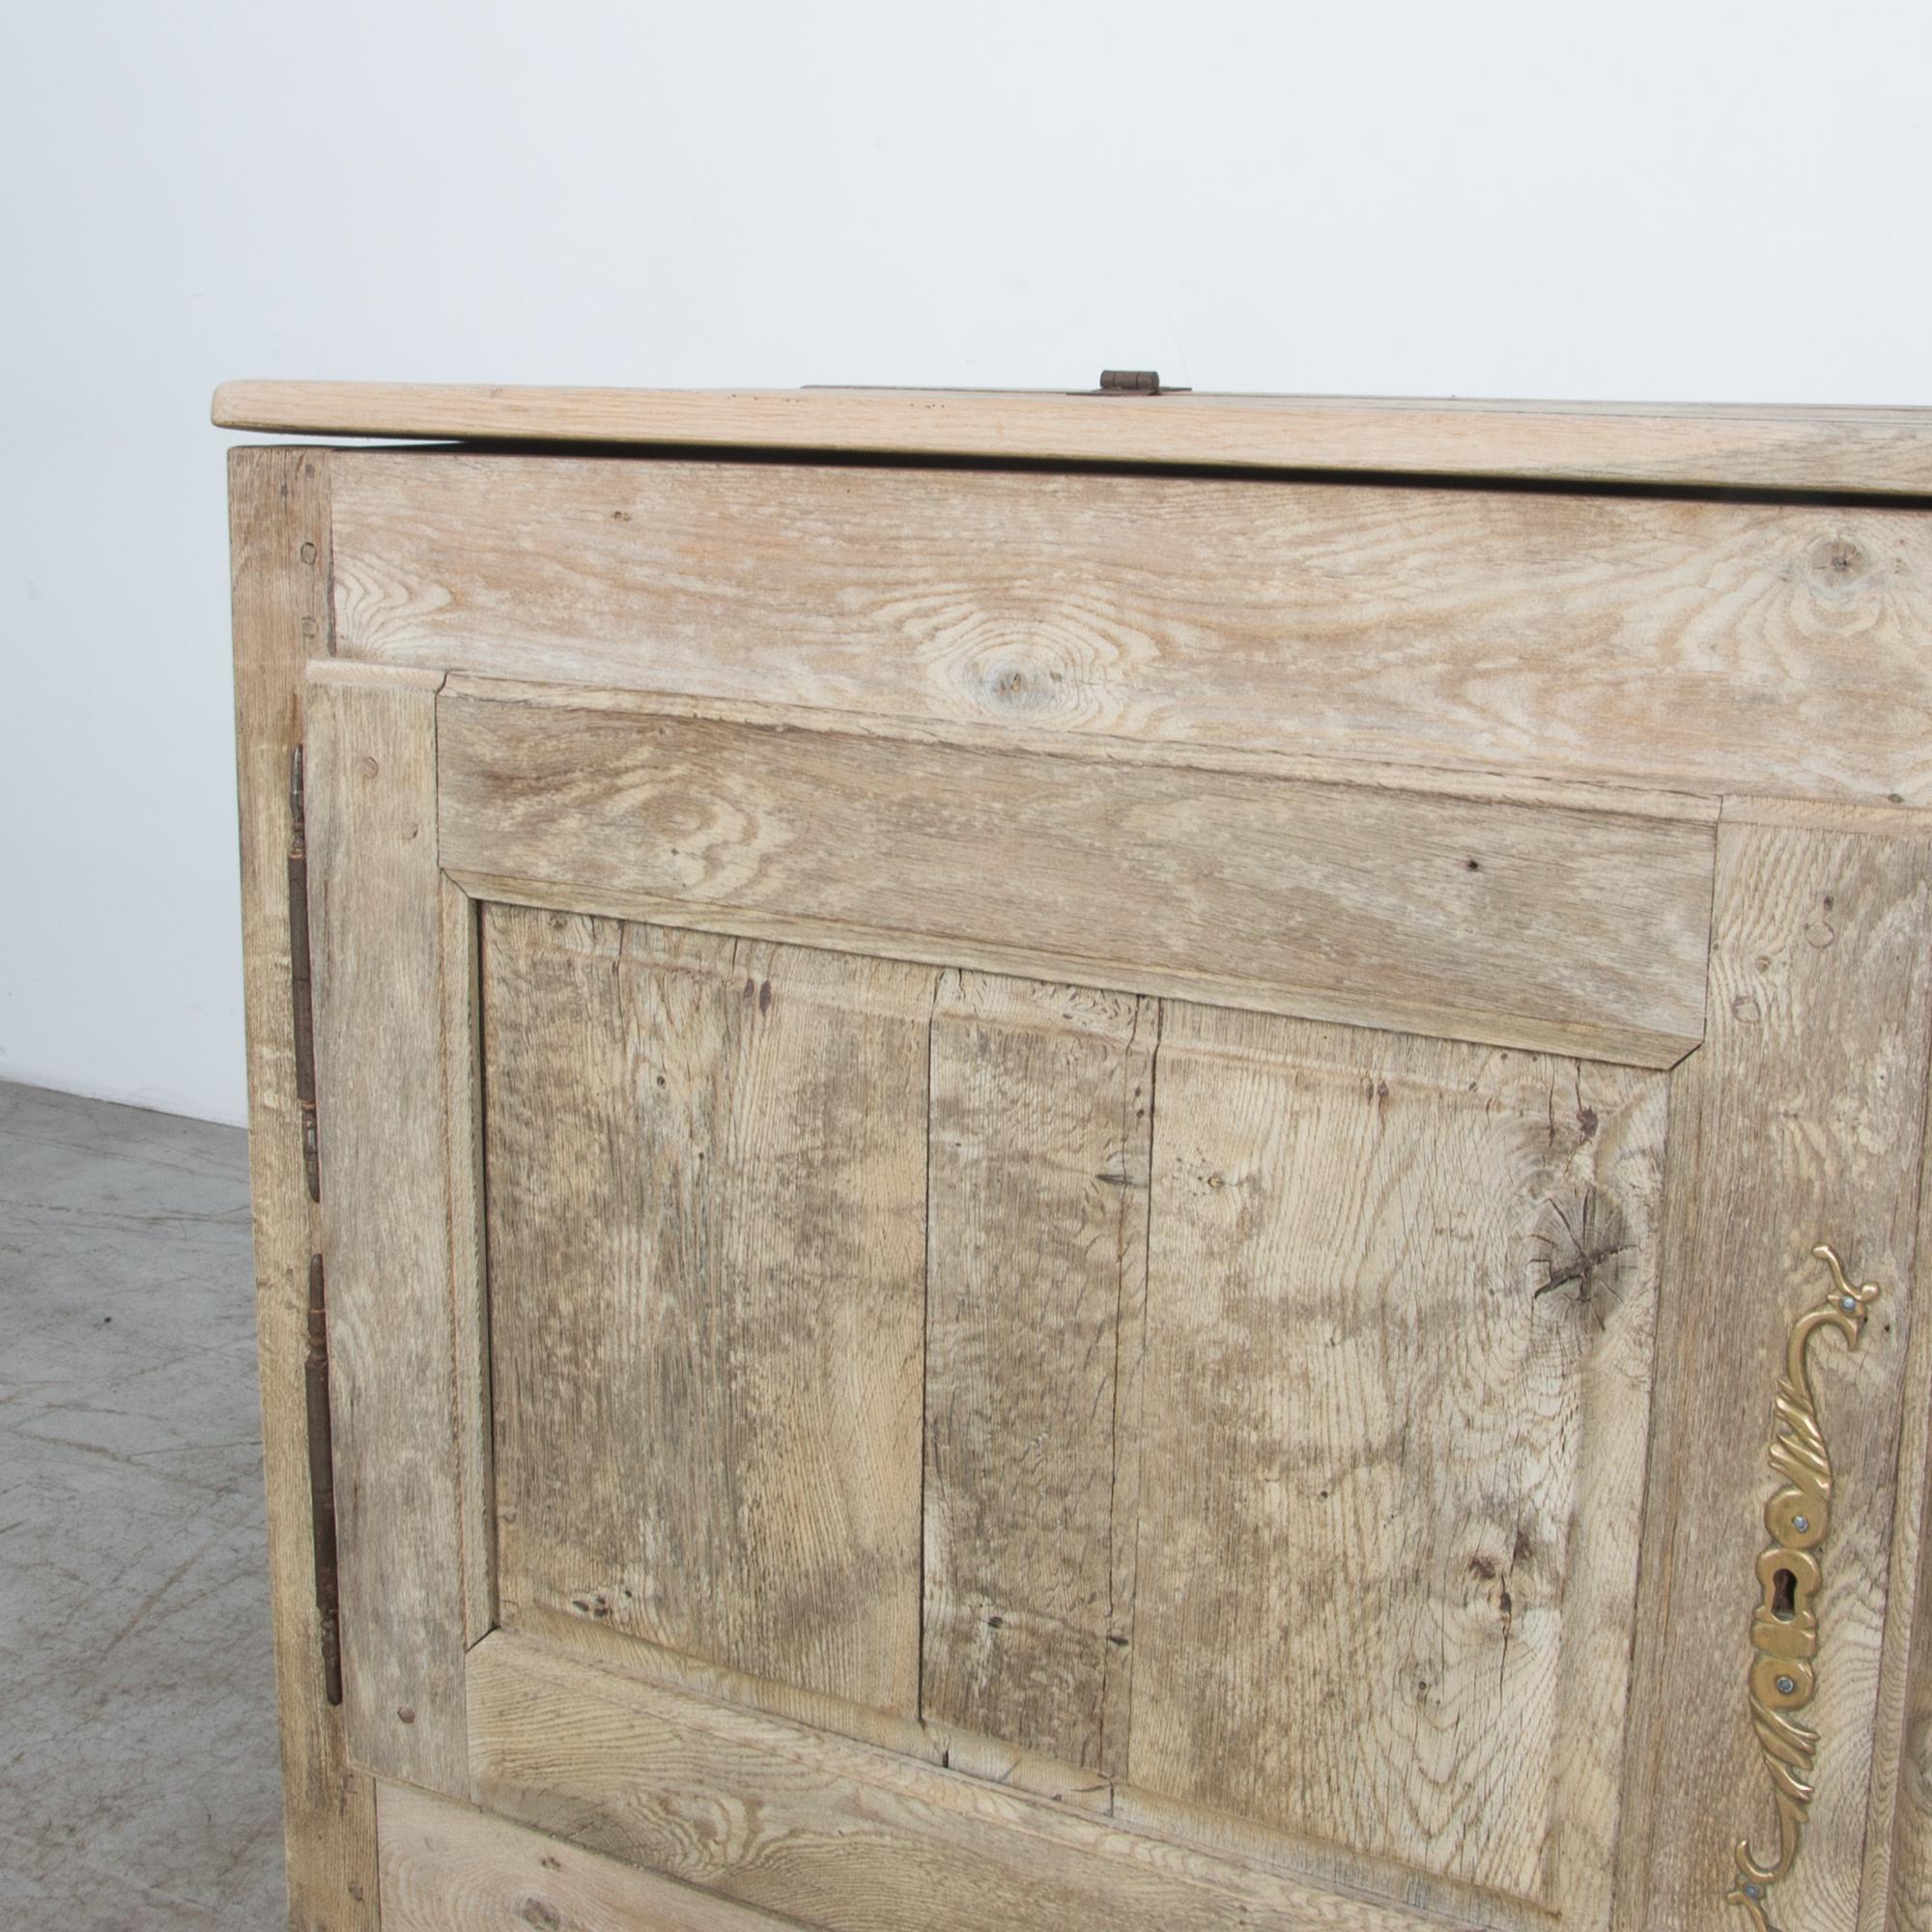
(1555,199)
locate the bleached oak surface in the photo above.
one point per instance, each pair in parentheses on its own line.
(1754,446)
(278,507)
(706,1237)
(1401,1302)
(447,1868)
(377,920)
(1576,931)
(1693,646)
(1810,1093)
(837,1834)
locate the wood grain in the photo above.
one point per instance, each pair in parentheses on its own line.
(707,1199)
(1909,1888)
(1576,930)
(580,1631)
(1896,1895)
(1400,1310)
(1679,1309)
(375,919)
(1041,1110)
(1750,446)
(278,505)
(447,1868)
(1703,647)
(1895,1892)
(1811,1105)
(836,1836)
(1101,750)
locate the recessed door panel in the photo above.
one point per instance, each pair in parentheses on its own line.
(706,1182)
(1400,1322)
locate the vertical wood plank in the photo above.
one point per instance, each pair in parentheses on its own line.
(1399,1319)
(1678,1306)
(1812,1109)
(1037,1270)
(279,529)
(375,919)
(706,1223)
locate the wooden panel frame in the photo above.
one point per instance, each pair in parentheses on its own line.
(400,1186)
(416,1557)
(1560,930)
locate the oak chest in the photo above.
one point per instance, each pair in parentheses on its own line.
(1118,1163)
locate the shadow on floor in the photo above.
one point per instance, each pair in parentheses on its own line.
(139,1786)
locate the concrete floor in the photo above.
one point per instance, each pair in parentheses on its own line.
(139,1786)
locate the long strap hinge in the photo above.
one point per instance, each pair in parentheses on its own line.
(321,1482)
(300,993)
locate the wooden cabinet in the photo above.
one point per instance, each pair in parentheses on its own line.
(1117,1164)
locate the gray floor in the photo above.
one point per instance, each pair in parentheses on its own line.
(138,1780)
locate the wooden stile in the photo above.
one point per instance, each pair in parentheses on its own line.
(280,532)
(376,915)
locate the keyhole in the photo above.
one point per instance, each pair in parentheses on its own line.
(1783,1594)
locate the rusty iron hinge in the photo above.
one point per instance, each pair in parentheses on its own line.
(298,975)
(321,1482)
(1135,382)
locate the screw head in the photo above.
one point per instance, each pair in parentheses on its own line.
(1849,1304)
(1753,1892)
(1801,1523)
(1785,1687)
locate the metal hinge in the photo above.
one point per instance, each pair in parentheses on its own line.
(298,975)
(321,1482)
(1135,382)
(315,1364)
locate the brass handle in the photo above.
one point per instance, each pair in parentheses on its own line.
(1784,1627)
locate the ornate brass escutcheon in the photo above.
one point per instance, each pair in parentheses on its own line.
(1784,1627)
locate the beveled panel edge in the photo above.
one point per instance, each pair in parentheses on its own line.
(1103,748)
(912,1809)
(1617,1045)
(549,857)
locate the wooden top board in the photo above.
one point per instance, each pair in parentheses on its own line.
(1883,451)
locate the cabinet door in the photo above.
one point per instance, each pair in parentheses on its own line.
(926,1333)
